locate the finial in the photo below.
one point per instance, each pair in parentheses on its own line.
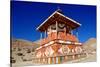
(59,10)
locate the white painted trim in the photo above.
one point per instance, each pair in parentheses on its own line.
(60,41)
(69,18)
(39,48)
(49,43)
(51,31)
(68,42)
(78,43)
(45,45)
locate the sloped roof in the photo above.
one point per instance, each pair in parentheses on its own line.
(60,18)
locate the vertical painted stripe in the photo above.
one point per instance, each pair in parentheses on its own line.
(54,60)
(59,60)
(66,57)
(50,60)
(73,56)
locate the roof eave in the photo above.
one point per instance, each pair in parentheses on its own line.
(69,19)
(59,14)
(46,20)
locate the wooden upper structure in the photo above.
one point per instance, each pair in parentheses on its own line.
(60,18)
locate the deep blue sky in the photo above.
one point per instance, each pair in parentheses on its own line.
(27,16)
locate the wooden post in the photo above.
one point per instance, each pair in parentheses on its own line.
(50,33)
(57,29)
(45,33)
(65,29)
(45,36)
(41,39)
(77,33)
(72,32)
